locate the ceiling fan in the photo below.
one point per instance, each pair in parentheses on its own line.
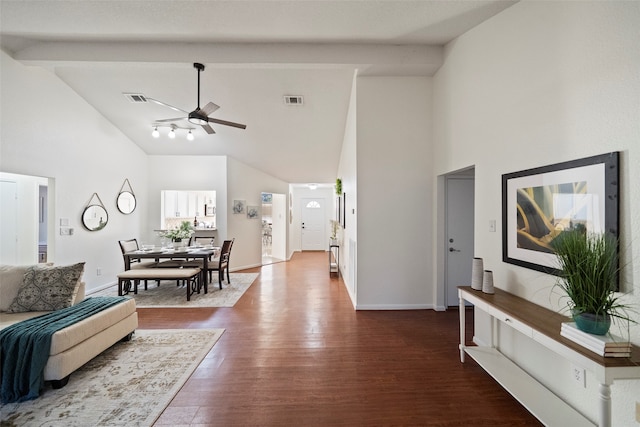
(199,116)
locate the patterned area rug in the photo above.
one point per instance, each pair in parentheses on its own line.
(170,295)
(129,384)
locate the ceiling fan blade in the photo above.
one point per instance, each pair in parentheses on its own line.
(226,123)
(208,129)
(167,105)
(175,119)
(209,108)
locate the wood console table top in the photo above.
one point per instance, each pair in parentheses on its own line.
(548,322)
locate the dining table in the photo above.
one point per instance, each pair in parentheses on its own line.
(186,253)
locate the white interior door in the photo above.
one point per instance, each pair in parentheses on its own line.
(9,222)
(313,226)
(459,255)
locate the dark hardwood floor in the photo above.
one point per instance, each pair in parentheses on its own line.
(295,353)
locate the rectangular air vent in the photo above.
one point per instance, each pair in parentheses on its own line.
(293,99)
(136,98)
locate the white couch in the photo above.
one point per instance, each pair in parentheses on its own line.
(75,345)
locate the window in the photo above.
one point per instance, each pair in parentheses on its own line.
(313,205)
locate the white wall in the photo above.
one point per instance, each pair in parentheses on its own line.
(393,157)
(247,183)
(47,130)
(542,83)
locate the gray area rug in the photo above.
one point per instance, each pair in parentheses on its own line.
(129,384)
(170,295)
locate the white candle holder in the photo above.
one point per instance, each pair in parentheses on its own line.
(476,274)
(487,282)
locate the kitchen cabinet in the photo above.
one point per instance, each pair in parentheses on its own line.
(187,204)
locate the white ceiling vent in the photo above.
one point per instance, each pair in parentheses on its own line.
(293,100)
(136,98)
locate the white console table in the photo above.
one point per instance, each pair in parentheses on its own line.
(543,326)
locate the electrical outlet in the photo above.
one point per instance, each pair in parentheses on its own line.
(99,272)
(578,375)
(65,231)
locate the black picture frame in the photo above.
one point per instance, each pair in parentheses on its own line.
(344,210)
(538,203)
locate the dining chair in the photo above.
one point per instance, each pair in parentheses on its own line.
(204,240)
(219,263)
(135,263)
(223,262)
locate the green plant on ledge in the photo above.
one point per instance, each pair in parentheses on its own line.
(338,186)
(588,276)
(184,231)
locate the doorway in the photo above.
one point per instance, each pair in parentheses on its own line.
(274,228)
(459,234)
(27,223)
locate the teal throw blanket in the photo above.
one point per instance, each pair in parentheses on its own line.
(25,346)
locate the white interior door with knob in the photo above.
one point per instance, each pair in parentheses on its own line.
(313,227)
(459,256)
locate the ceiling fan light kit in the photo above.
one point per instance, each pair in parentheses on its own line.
(199,116)
(172,131)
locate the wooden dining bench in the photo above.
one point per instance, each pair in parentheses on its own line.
(191,277)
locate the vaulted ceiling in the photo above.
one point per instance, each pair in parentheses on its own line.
(254,52)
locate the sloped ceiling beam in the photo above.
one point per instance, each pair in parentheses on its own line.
(370,59)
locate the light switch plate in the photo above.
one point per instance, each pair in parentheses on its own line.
(492,226)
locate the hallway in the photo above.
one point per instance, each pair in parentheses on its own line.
(296,353)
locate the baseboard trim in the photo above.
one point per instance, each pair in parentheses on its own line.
(100,288)
(395,307)
(244,267)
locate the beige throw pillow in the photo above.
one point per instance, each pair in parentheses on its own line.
(47,288)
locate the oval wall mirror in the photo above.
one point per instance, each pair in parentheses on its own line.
(95,217)
(126,202)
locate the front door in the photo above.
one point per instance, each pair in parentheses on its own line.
(313,225)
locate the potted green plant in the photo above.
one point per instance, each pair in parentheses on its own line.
(338,186)
(184,231)
(588,275)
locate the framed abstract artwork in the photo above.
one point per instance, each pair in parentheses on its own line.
(253,212)
(539,204)
(239,206)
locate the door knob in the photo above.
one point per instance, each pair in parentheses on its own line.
(454,250)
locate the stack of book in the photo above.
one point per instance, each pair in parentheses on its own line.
(605,345)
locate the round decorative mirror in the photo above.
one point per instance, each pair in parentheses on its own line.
(126,202)
(95,217)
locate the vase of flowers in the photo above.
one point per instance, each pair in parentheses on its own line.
(179,234)
(335,225)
